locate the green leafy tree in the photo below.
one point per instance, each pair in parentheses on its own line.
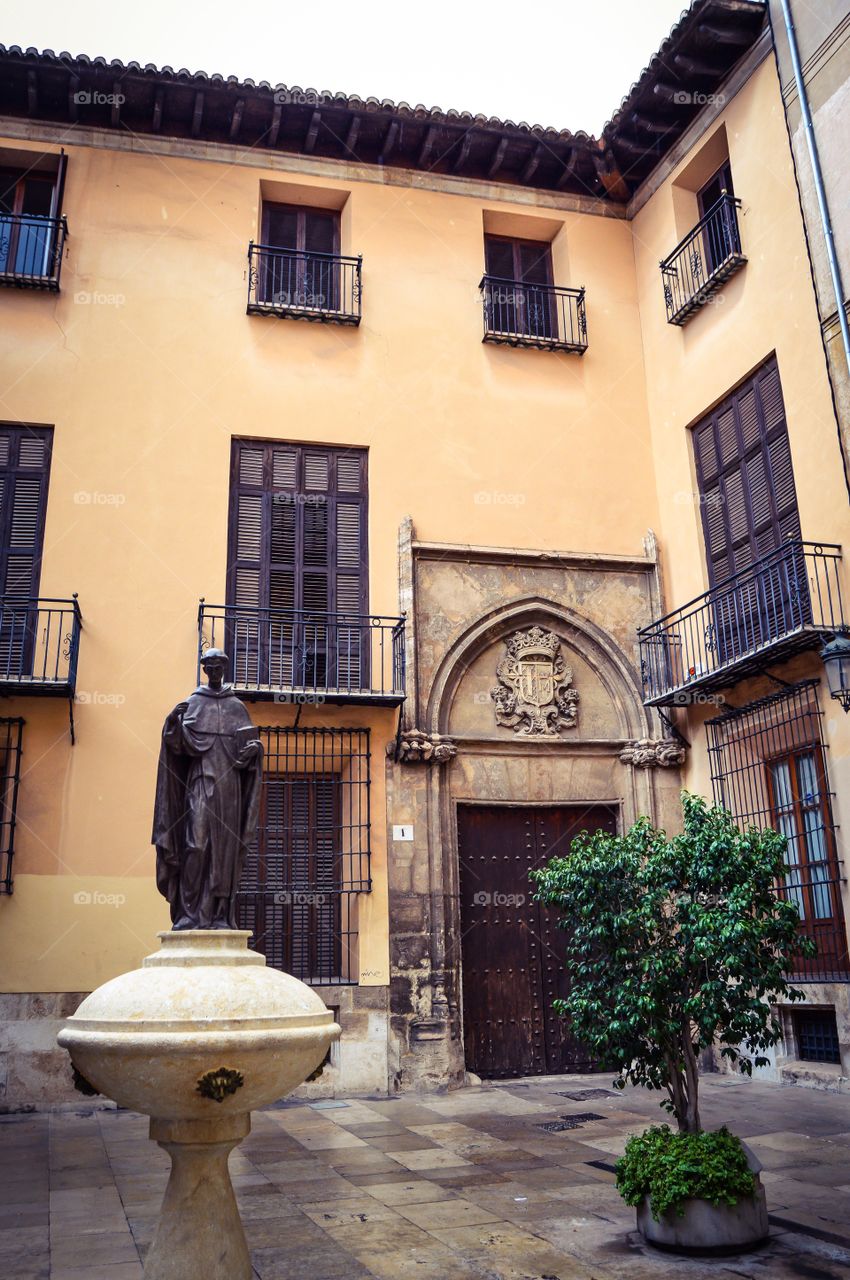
(673,945)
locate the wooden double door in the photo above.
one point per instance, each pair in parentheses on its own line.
(511,950)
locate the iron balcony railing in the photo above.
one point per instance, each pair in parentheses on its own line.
(698,266)
(31,250)
(782,604)
(300,656)
(11,737)
(533,315)
(316,286)
(39,645)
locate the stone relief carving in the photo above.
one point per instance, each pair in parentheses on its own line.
(533,696)
(647,753)
(415,746)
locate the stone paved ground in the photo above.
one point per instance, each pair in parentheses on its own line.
(460,1186)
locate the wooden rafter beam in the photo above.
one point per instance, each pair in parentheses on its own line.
(236,119)
(657,128)
(427,145)
(390,139)
(463,152)
(32,93)
(117,99)
(198,113)
(312,132)
(717,34)
(668,92)
(274,127)
(532,164)
(352,135)
(568,169)
(498,156)
(156,120)
(73,104)
(696,66)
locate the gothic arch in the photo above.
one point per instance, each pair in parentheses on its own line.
(602,654)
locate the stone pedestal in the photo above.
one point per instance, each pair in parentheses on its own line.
(197,1038)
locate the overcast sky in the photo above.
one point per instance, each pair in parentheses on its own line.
(550,62)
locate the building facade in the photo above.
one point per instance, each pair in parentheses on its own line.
(246,403)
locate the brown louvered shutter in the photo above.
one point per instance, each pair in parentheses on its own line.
(297,565)
(24,472)
(745,476)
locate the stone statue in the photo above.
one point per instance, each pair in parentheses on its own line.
(207,801)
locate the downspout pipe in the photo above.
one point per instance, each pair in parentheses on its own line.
(820,191)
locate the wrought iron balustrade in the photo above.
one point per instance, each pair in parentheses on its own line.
(785,602)
(31,249)
(534,315)
(698,266)
(317,286)
(11,737)
(39,645)
(295,655)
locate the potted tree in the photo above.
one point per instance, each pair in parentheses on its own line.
(674,945)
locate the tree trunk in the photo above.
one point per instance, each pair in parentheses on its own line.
(690,1122)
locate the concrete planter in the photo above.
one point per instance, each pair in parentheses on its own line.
(704,1227)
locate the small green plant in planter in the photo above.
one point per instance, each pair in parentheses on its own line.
(674,945)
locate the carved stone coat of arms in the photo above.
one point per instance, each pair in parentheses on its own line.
(533,696)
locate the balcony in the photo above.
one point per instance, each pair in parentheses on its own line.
(39,646)
(31,249)
(310,286)
(784,603)
(517,314)
(700,263)
(291,655)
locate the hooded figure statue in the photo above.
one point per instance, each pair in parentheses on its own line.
(207,801)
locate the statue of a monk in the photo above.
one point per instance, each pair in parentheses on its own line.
(207,801)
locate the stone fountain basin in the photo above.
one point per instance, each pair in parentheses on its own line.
(201,1004)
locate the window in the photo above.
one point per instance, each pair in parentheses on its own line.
(31,232)
(301,269)
(816,1032)
(297,574)
(769,768)
(746,481)
(11,732)
(721,234)
(299,888)
(24,470)
(523,304)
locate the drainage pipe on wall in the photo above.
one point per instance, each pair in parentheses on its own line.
(820,192)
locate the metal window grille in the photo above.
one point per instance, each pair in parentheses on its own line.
(816,1031)
(768,768)
(301,884)
(11,736)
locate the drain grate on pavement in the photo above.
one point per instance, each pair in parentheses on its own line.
(585,1095)
(568,1122)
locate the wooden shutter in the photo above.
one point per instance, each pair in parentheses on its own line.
(297,554)
(745,476)
(24,472)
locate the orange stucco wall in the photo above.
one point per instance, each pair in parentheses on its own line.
(147,365)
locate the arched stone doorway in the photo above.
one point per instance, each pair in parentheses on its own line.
(534,778)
